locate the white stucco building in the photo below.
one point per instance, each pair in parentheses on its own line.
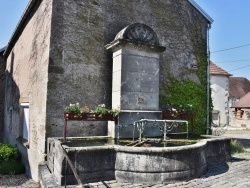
(219,80)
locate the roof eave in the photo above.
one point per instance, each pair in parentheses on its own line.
(201,11)
(218,74)
(2,49)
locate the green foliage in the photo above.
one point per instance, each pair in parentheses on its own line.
(187,92)
(236,147)
(11,167)
(183,91)
(8,153)
(10,160)
(114,112)
(77,110)
(101,110)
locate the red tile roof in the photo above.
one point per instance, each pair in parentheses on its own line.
(216,70)
(238,86)
(244,102)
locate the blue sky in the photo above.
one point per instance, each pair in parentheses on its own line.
(10,13)
(230,29)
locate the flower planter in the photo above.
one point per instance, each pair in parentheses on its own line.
(89,117)
(85,117)
(187,116)
(180,116)
(169,115)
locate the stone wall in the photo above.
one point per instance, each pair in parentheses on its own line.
(2,94)
(80,68)
(27,70)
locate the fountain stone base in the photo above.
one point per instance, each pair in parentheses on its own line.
(136,164)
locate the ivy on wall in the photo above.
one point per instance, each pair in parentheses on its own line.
(185,91)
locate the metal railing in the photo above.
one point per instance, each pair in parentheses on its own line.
(165,127)
(68,161)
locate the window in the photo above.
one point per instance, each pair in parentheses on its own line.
(25,120)
(216,117)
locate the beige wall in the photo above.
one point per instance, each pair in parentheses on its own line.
(27,77)
(2,95)
(219,86)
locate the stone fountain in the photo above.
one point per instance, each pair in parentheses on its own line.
(135,91)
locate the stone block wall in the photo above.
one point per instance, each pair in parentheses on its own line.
(80,68)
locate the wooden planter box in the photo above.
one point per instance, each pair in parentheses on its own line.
(168,115)
(181,116)
(85,117)
(89,117)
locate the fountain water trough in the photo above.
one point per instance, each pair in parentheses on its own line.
(134,164)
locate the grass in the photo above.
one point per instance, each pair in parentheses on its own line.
(239,151)
(236,147)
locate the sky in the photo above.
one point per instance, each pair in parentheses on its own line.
(230,29)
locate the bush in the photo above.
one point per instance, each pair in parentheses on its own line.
(8,153)
(10,160)
(236,147)
(11,167)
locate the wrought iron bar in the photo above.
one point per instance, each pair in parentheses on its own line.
(166,127)
(72,167)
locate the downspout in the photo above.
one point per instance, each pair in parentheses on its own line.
(208,81)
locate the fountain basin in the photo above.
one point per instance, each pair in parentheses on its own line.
(136,164)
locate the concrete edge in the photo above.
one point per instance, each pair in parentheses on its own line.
(46,178)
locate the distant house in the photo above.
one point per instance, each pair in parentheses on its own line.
(241,112)
(219,85)
(239,95)
(238,87)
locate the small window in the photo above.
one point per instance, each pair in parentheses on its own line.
(25,121)
(216,117)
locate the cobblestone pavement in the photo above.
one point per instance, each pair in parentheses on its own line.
(233,174)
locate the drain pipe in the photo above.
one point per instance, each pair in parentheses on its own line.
(208,81)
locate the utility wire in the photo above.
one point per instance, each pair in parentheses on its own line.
(230,48)
(233,61)
(239,68)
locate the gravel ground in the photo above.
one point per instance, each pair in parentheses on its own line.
(17,181)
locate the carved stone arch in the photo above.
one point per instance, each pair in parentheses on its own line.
(140,33)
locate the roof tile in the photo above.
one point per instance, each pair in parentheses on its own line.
(238,86)
(216,70)
(244,102)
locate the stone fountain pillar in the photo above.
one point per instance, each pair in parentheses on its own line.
(135,85)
